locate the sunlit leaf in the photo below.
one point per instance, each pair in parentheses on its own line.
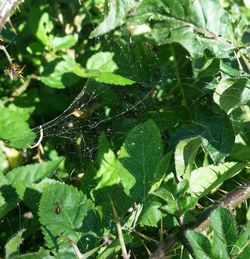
(22,177)
(204,179)
(62,210)
(14,128)
(116,16)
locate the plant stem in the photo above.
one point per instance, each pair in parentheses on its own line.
(125,254)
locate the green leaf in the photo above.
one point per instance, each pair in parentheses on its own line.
(242,242)
(67,41)
(102,61)
(162,169)
(41,25)
(175,197)
(204,179)
(185,154)
(225,233)
(200,244)
(139,157)
(210,68)
(151,214)
(231,93)
(116,16)
(196,25)
(107,172)
(22,177)
(15,129)
(114,79)
(59,73)
(8,196)
(217,135)
(12,246)
(62,210)
(42,253)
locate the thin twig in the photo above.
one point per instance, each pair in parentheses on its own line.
(230,201)
(125,254)
(6,54)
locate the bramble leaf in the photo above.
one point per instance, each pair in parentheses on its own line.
(62,210)
(22,177)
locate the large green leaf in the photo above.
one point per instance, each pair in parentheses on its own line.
(225,233)
(216,131)
(116,16)
(15,129)
(139,156)
(204,179)
(22,177)
(232,93)
(197,25)
(62,210)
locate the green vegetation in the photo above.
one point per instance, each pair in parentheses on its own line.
(125,129)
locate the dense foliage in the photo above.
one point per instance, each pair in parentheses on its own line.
(121,122)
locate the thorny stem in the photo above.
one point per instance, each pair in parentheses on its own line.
(7,7)
(125,254)
(230,201)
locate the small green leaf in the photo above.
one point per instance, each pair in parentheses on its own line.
(12,246)
(200,244)
(116,16)
(151,214)
(22,177)
(114,79)
(242,242)
(59,73)
(41,25)
(175,197)
(102,61)
(204,179)
(185,154)
(67,41)
(210,68)
(139,157)
(62,210)
(107,172)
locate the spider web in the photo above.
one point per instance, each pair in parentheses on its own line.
(115,110)
(111,109)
